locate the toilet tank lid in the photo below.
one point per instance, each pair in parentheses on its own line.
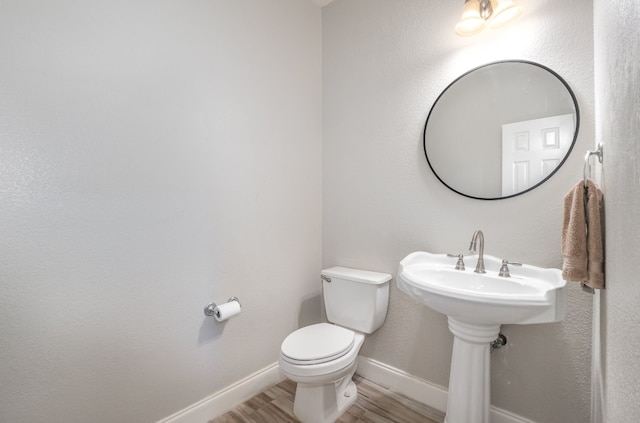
(364,276)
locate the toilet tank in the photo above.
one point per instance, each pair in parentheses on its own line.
(355,299)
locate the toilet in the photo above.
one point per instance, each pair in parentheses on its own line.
(322,358)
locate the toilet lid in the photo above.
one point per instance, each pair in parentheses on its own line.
(317,344)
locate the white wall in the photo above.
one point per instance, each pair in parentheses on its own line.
(154,156)
(384,64)
(617,41)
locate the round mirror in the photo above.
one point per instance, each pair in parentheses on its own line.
(501,129)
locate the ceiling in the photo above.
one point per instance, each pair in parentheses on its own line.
(322,3)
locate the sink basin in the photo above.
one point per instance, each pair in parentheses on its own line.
(477,304)
(530,295)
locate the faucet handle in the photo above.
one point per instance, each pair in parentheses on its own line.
(460,262)
(504,269)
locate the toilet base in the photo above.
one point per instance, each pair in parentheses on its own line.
(326,390)
(324,403)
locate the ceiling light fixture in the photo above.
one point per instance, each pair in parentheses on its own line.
(478,14)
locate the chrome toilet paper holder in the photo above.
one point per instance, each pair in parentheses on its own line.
(211,309)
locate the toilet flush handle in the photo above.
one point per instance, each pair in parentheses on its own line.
(325,278)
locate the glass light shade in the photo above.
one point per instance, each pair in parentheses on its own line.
(470,23)
(503,13)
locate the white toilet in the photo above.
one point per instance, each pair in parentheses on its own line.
(322,358)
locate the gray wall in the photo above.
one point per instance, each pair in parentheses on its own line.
(154,156)
(384,64)
(617,43)
(147,149)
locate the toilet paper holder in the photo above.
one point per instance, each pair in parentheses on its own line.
(211,309)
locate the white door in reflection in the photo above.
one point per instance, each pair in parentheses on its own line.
(532,149)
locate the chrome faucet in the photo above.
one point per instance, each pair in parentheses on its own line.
(472,248)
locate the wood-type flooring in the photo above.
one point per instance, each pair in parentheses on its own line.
(375,404)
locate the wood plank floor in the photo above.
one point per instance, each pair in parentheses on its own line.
(375,404)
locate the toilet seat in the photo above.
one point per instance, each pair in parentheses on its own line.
(316,344)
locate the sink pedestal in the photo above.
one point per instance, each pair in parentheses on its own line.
(469,388)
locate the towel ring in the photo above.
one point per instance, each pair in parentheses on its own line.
(587,162)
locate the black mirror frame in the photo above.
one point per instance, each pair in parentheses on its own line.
(573,142)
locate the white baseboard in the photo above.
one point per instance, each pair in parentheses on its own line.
(403,383)
(225,399)
(420,390)
(396,380)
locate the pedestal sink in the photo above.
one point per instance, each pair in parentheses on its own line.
(476,305)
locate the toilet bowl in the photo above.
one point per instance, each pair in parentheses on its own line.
(322,358)
(323,367)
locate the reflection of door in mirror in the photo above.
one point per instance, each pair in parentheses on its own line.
(532,149)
